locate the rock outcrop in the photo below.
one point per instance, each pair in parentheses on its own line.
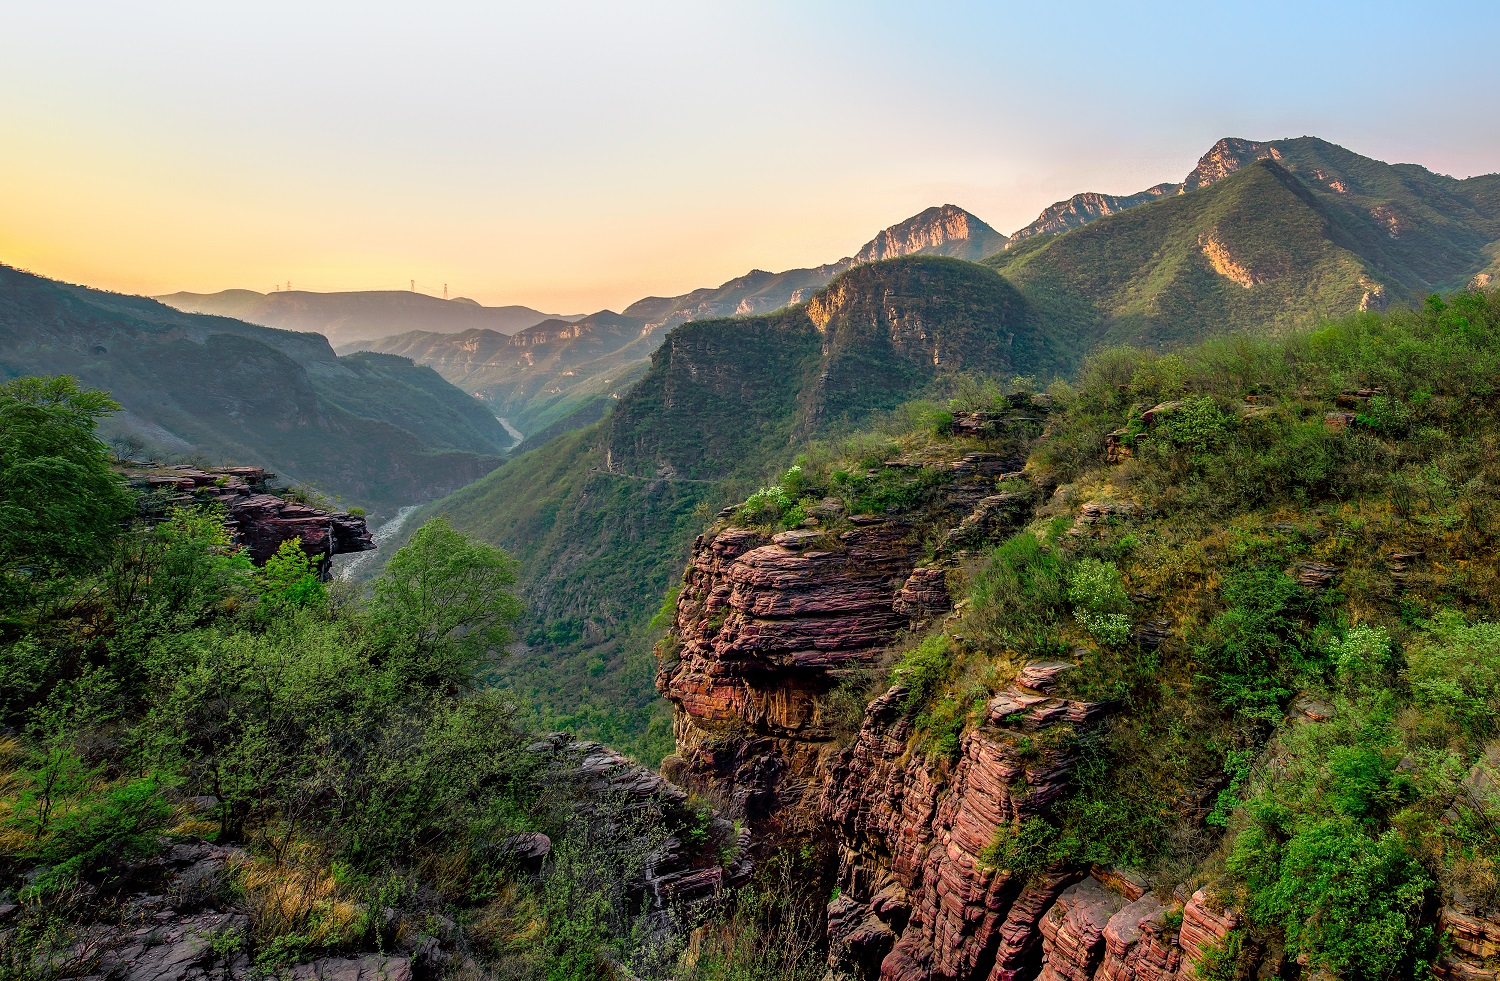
(948,230)
(931,874)
(259,520)
(767,626)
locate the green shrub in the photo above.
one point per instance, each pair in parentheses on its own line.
(923,669)
(1454,672)
(1349,902)
(1025,849)
(1020,594)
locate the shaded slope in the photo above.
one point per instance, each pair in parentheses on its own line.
(379,431)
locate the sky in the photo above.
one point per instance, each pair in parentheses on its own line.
(574,156)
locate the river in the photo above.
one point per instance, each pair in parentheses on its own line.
(383,534)
(515,434)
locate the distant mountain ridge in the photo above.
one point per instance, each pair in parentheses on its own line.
(358,315)
(1318,162)
(374,428)
(1265,237)
(550,370)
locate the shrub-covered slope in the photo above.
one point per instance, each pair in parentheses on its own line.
(1207,687)
(1308,231)
(374,429)
(210,769)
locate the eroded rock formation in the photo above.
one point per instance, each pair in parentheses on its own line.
(923,888)
(259,520)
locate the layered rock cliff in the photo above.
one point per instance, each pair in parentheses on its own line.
(939,866)
(258,517)
(948,230)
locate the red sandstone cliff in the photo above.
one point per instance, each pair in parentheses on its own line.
(766,626)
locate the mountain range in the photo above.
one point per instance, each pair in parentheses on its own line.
(358,315)
(373,428)
(539,376)
(1355,232)
(1261,237)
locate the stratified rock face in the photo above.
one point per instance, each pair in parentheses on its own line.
(1081,209)
(906,829)
(260,521)
(1473,948)
(948,230)
(761,624)
(1224,158)
(765,626)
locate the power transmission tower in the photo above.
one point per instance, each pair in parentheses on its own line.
(445,291)
(414,286)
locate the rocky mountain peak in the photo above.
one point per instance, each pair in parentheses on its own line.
(1224,158)
(947,230)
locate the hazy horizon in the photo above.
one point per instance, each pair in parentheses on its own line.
(586,155)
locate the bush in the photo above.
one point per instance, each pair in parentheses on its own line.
(1099,600)
(923,669)
(1454,672)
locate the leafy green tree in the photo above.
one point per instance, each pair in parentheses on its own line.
(448,595)
(290,578)
(60,504)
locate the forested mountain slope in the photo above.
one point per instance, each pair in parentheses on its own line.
(601,519)
(375,429)
(1260,249)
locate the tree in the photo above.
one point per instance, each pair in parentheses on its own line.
(60,503)
(449,596)
(290,578)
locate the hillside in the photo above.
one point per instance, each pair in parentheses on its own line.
(357,315)
(1440,221)
(374,429)
(1259,248)
(549,372)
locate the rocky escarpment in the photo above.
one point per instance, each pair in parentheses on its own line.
(920,897)
(258,519)
(1081,209)
(948,230)
(768,624)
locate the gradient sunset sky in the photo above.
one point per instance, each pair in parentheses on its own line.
(573,156)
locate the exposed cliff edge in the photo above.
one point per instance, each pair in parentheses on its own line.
(257,514)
